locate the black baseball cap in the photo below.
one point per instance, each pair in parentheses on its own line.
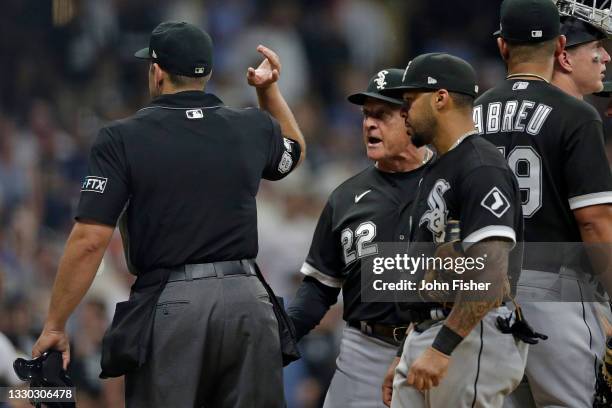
(579,32)
(437,71)
(528,21)
(386,78)
(606,91)
(180,48)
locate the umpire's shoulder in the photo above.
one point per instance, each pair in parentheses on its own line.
(249,114)
(113,132)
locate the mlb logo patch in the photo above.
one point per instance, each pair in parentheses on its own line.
(94,184)
(496,202)
(536,34)
(520,86)
(194,114)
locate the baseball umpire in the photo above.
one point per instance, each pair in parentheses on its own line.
(554,145)
(184,171)
(360,213)
(454,354)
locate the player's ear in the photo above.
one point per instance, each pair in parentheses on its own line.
(158,75)
(503,48)
(560,47)
(563,61)
(440,99)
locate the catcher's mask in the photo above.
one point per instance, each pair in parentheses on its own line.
(45,371)
(594,12)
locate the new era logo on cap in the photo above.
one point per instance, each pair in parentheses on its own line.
(153,54)
(431,81)
(199,70)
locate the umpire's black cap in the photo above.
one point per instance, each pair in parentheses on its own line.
(384,79)
(579,31)
(606,91)
(180,48)
(529,21)
(437,71)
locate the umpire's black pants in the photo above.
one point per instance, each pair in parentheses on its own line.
(215,345)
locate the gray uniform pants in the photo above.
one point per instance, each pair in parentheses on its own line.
(485,367)
(560,371)
(360,370)
(215,345)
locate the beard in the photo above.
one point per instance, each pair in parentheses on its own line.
(423,135)
(419,139)
(423,128)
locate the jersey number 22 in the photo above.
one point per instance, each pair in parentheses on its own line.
(363,236)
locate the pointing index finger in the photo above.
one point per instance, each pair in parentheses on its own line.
(270,55)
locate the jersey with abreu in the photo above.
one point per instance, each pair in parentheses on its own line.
(361,213)
(554,145)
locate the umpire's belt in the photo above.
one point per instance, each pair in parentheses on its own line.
(211,270)
(393,335)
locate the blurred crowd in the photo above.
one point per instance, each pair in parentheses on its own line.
(67,69)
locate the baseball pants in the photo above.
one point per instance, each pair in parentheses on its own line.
(485,367)
(561,371)
(361,367)
(215,345)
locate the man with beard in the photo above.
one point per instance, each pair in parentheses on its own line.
(454,354)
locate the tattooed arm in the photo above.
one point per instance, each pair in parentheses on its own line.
(468,310)
(471,306)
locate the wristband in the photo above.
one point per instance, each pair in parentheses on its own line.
(446,341)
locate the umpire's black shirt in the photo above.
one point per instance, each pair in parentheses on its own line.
(186,170)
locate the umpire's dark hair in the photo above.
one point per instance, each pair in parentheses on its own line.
(522,52)
(462,101)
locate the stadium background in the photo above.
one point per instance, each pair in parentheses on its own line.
(66,68)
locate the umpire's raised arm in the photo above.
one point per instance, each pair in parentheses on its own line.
(264,79)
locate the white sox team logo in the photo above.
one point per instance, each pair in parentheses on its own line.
(437,214)
(380,81)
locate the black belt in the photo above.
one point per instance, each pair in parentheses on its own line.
(211,270)
(393,335)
